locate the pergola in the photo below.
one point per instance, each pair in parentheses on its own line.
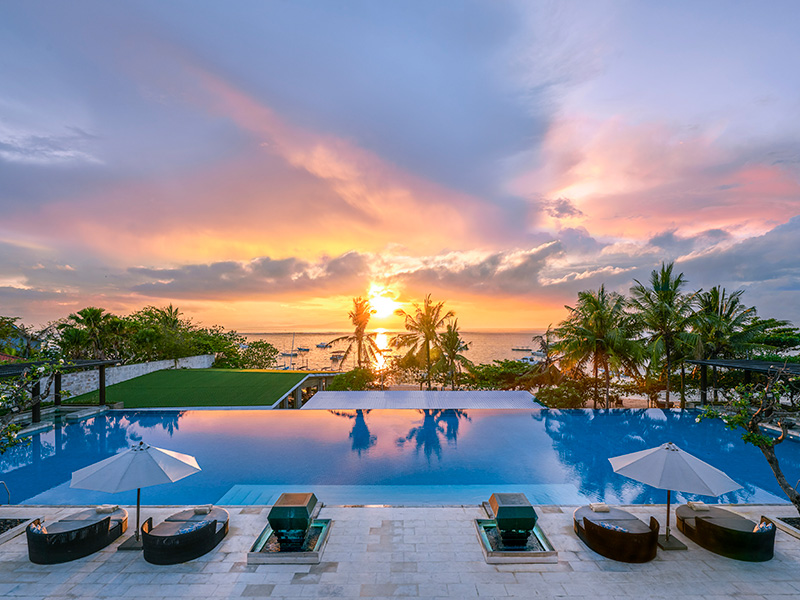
(18,368)
(765,367)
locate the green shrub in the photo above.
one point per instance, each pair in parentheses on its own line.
(355,380)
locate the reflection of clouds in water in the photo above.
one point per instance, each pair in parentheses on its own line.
(635,438)
(554,426)
(655,414)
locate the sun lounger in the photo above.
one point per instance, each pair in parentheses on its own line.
(617,534)
(726,533)
(183,536)
(75,536)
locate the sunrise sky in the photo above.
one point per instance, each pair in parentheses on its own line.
(258,164)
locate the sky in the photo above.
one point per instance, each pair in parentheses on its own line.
(260,163)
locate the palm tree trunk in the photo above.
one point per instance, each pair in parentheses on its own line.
(596,391)
(608,384)
(683,385)
(428,362)
(669,370)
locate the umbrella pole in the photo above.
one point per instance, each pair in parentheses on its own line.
(139,499)
(669,496)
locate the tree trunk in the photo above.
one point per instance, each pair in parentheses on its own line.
(608,384)
(683,385)
(596,391)
(669,370)
(791,493)
(428,362)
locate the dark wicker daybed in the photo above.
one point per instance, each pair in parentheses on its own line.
(637,544)
(75,536)
(726,533)
(183,536)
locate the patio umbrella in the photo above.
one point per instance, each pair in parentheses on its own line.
(139,466)
(667,467)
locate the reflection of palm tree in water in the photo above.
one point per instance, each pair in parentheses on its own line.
(585,440)
(435,423)
(168,421)
(363,440)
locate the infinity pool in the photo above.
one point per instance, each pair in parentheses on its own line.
(408,457)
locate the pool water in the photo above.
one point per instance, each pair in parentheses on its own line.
(403,457)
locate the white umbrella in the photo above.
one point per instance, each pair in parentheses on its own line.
(139,466)
(667,467)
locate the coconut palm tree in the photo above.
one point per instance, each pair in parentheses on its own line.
(451,361)
(93,321)
(422,327)
(362,343)
(722,327)
(599,332)
(663,313)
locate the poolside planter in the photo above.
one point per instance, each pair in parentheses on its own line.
(290,518)
(515,517)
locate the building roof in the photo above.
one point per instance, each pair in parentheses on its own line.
(18,368)
(414,399)
(757,366)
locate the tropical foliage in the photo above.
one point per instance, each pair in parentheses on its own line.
(422,339)
(358,379)
(599,333)
(359,343)
(451,362)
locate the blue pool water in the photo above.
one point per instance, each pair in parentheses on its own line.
(406,457)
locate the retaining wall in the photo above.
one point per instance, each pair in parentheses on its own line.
(82,382)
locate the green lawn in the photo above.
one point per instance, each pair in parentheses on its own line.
(198,387)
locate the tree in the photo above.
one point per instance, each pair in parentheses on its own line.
(775,336)
(356,380)
(451,361)
(360,342)
(93,322)
(599,332)
(663,313)
(19,393)
(722,327)
(259,354)
(422,327)
(748,407)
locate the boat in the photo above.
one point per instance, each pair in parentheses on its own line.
(521,349)
(288,353)
(323,345)
(301,349)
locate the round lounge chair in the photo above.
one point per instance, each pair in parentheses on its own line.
(78,535)
(617,534)
(725,533)
(183,536)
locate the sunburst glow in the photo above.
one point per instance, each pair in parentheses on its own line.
(382,302)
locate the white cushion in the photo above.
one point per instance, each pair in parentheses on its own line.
(697,505)
(599,507)
(105,509)
(203,510)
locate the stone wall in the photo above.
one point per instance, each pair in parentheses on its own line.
(82,382)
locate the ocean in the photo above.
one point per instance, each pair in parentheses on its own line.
(484,347)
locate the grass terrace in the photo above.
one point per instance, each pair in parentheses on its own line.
(175,388)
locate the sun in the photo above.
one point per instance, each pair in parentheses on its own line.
(382,303)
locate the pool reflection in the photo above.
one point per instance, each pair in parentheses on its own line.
(564,454)
(435,425)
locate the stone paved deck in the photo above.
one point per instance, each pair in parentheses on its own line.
(377,552)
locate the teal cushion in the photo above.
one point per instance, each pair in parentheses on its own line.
(192,526)
(612,527)
(762,527)
(37,528)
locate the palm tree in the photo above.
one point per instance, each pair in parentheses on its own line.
(722,326)
(422,327)
(93,321)
(451,361)
(600,332)
(546,371)
(360,342)
(663,313)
